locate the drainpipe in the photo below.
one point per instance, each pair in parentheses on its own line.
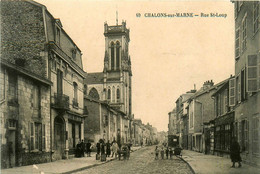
(49,73)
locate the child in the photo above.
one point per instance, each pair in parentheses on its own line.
(171,152)
(167,152)
(156,152)
(162,153)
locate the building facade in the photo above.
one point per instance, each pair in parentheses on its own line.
(38,45)
(247,79)
(200,111)
(182,119)
(218,137)
(103,122)
(24,85)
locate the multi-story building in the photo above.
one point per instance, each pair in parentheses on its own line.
(103,121)
(182,119)
(218,133)
(200,111)
(48,95)
(247,79)
(138,132)
(24,86)
(114,84)
(172,122)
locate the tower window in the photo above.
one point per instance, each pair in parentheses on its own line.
(113,94)
(108,94)
(118,95)
(117,54)
(112,56)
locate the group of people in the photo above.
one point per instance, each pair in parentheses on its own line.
(168,151)
(109,149)
(82,148)
(114,149)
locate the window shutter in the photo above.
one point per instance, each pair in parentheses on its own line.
(246,134)
(239,88)
(240,134)
(43,137)
(232,92)
(237,44)
(259,72)
(236,9)
(31,136)
(252,73)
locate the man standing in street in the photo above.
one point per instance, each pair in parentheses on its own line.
(235,153)
(88,148)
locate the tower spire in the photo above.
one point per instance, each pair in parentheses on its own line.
(116,17)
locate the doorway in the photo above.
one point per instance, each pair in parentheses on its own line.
(59,137)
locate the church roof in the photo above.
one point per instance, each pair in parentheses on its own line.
(94,78)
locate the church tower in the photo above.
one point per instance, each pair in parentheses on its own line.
(117,68)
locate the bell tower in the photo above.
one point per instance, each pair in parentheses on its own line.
(117,67)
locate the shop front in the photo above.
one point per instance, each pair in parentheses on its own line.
(223,134)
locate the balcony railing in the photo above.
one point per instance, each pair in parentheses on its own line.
(61,101)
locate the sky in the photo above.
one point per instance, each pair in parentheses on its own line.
(168,55)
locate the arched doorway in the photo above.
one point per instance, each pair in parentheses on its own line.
(59,137)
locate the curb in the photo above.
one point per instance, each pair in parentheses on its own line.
(94,165)
(87,167)
(187,164)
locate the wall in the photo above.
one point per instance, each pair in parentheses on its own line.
(246,110)
(24,114)
(92,121)
(22,35)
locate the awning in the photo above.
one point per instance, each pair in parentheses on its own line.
(225,119)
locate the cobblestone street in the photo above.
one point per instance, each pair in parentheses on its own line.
(143,162)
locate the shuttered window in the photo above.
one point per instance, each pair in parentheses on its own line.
(252,73)
(256,16)
(232,92)
(225,101)
(239,88)
(236,8)
(244,33)
(259,72)
(256,132)
(31,127)
(43,137)
(237,44)
(246,135)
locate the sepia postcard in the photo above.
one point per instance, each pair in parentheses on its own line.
(122,87)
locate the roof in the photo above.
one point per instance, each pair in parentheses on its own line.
(203,91)
(223,86)
(55,19)
(95,78)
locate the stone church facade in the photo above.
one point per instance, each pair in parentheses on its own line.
(114,84)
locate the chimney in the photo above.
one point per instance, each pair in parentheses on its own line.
(208,84)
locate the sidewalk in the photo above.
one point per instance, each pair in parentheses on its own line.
(202,163)
(60,166)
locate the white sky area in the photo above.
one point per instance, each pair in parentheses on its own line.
(169,55)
